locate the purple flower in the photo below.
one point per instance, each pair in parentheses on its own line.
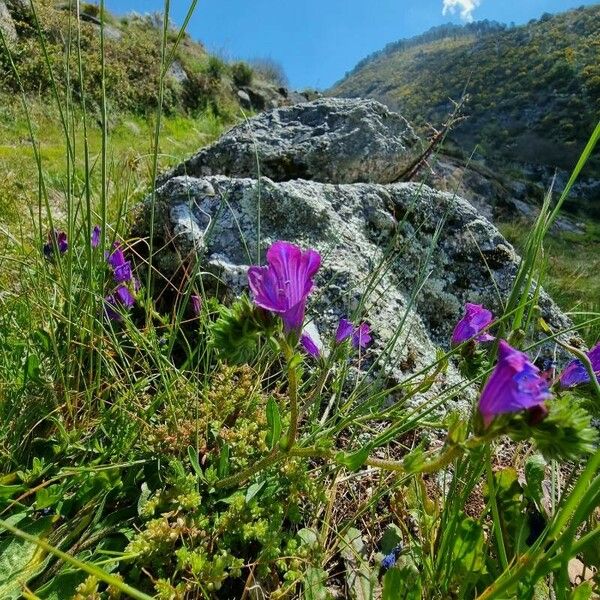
(309,346)
(121,267)
(116,258)
(110,308)
(96,236)
(60,239)
(283,286)
(471,325)
(514,385)
(123,297)
(196,303)
(575,372)
(361,335)
(344,330)
(122,273)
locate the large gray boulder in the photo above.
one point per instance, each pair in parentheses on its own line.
(412,256)
(403,255)
(329,140)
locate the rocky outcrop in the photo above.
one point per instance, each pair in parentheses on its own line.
(7,25)
(327,140)
(261,95)
(498,197)
(403,255)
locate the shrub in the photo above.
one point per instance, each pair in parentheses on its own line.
(242,74)
(271,70)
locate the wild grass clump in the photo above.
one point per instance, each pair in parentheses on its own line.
(204,450)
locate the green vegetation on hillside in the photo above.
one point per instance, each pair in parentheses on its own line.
(534,91)
(196,80)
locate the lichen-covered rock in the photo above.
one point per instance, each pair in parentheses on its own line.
(409,255)
(328,140)
(7,25)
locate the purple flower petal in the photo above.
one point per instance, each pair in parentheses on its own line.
(96,236)
(196,303)
(124,296)
(116,258)
(344,330)
(471,325)
(283,286)
(110,309)
(514,385)
(361,337)
(309,346)
(56,237)
(61,242)
(123,273)
(575,372)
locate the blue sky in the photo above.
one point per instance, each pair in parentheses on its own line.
(317,41)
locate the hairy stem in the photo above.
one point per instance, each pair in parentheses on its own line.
(292,374)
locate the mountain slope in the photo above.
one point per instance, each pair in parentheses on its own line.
(533,91)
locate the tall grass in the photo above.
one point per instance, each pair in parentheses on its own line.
(136,461)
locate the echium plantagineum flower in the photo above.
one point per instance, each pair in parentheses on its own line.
(60,239)
(122,271)
(121,297)
(95,237)
(361,335)
(471,326)
(283,286)
(309,346)
(196,302)
(575,372)
(514,385)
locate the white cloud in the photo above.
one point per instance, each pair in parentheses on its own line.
(466,8)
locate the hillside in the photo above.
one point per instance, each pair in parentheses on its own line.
(533,91)
(203,95)
(196,80)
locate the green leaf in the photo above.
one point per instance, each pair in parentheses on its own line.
(63,583)
(353,460)
(21,560)
(31,368)
(401,584)
(223,468)
(49,496)
(360,579)
(314,584)
(274,424)
(468,548)
(253,490)
(535,471)
(391,538)
(42,337)
(308,537)
(8,491)
(582,592)
(193,456)
(143,499)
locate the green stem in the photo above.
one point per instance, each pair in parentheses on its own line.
(274,457)
(292,375)
(495,512)
(430,466)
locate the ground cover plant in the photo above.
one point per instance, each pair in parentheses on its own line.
(213,450)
